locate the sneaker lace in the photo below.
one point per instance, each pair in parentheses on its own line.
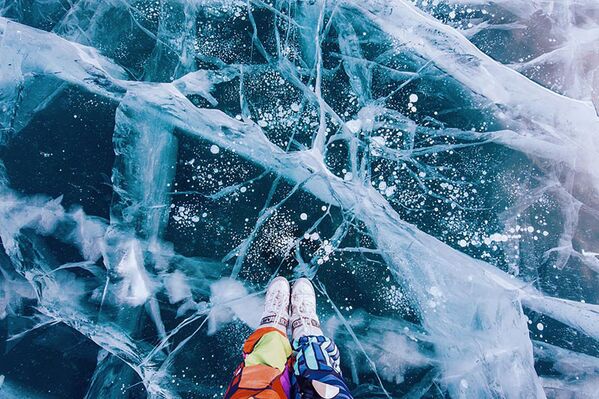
(306,307)
(274,302)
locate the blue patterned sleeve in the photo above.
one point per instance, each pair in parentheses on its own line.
(316,371)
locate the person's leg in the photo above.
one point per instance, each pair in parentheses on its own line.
(267,346)
(316,371)
(264,372)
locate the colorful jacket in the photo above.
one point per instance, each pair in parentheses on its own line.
(273,369)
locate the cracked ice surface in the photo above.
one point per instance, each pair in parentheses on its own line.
(432,166)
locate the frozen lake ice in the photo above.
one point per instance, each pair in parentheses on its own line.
(432,166)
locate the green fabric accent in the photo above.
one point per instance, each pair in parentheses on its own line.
(272,350)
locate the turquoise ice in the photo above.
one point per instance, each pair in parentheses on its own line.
(431,165)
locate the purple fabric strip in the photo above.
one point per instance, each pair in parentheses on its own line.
(286,381)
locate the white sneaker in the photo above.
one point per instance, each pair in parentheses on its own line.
(304,320)
(276,305)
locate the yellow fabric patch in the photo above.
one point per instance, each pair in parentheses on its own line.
(272,350)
